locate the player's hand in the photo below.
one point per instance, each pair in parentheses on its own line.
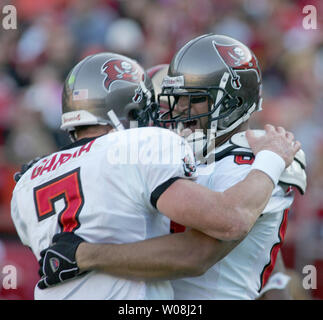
(58,263)
(277,140)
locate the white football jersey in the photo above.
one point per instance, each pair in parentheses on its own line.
(245,270)
(100,188)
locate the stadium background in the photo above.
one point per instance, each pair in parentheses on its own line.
(53,35)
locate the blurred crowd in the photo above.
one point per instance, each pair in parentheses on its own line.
(53,35)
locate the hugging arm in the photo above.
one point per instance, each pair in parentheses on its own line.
(230,215)
(172,256)
(186,254)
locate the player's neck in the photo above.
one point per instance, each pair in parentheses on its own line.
(92,132)
(221,140)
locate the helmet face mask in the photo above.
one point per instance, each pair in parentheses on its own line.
(156,108)
(219,68)
(195,95)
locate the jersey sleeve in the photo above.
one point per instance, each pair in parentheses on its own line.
(20,226)
(173,159)
(280,200)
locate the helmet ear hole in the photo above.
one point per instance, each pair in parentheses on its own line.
(240,102)
(234,102)
(140,116)
(133,114)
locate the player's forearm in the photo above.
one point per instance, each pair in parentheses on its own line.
(236,210)
(133,261)
(225,215)
(248,199)
(250,196)
(169,257)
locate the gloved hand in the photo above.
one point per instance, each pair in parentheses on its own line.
(58,263)
(24,168)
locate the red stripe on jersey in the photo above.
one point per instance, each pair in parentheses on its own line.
(268,269)
(176,227)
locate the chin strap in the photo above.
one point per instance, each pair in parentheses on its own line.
(115,121)
(72,135)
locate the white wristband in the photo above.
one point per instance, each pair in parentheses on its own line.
(270,163)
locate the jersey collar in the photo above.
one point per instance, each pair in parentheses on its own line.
(77,143)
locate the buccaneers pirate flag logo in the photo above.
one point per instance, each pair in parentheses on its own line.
(116,69)
(236,58)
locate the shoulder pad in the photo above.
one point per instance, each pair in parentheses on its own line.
(294,175)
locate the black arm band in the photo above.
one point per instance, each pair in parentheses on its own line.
(160,189)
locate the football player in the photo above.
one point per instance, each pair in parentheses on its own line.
(99,190)
(215,92)
(276,287)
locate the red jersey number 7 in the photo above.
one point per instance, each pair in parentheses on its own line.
(67,187)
